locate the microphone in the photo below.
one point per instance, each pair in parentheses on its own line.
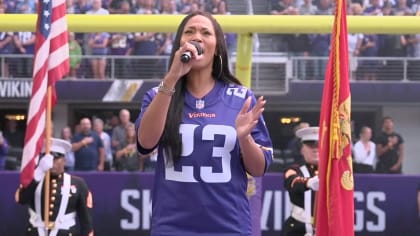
(186,56)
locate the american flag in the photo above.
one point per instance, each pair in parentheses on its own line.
(51,63)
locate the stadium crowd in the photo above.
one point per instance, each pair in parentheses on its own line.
(89,51)
(98,144)
(99,45)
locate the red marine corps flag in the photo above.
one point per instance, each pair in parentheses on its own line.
(334,206)
(51,63)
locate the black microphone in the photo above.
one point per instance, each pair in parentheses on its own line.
(186,56)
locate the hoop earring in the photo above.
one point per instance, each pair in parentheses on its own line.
(221,66)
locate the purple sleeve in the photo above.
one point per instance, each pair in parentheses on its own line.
(262,137)
(147,99)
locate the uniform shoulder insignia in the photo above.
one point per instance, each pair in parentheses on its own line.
(73,189)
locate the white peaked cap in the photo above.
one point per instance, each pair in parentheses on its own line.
(308,134)
(58,145)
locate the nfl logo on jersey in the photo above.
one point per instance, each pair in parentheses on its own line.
(199,104)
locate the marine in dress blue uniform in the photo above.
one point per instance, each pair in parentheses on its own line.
(70,200)
(302,182)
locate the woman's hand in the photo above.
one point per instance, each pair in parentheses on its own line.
(178,68)
(246,120)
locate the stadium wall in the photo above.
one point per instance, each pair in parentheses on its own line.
(385,205)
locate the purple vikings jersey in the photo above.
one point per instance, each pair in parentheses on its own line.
(205,192)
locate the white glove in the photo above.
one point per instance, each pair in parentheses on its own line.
(313,183)
(45,163)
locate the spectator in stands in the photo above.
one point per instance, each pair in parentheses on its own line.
(307,8)
(146,7)
(218,7)
(115,6)
(165,40)
(413,51)
(119,132)
(77,129)
(25,7)
(3,151)
(70,7)
(298,46)
(184,6)
(136,4)
(111,122)
(88,148)
(401,8)
(196,6)
(368,69)
(389,149)
(121,44)
(168,7)
(364,152)
(146,44)
(354,42)
(392,45)
(374,9)
(13,134)
(98,45)
(97,8)
(284,7)
(24,47)
(6,47)
(69,157)
(10,6)
(98,127)
(75,53)
(127,158)
(325,7)
(281,7)
(82,6)
(415,8)
(320,43)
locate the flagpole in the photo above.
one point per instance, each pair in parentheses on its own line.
(47,151)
